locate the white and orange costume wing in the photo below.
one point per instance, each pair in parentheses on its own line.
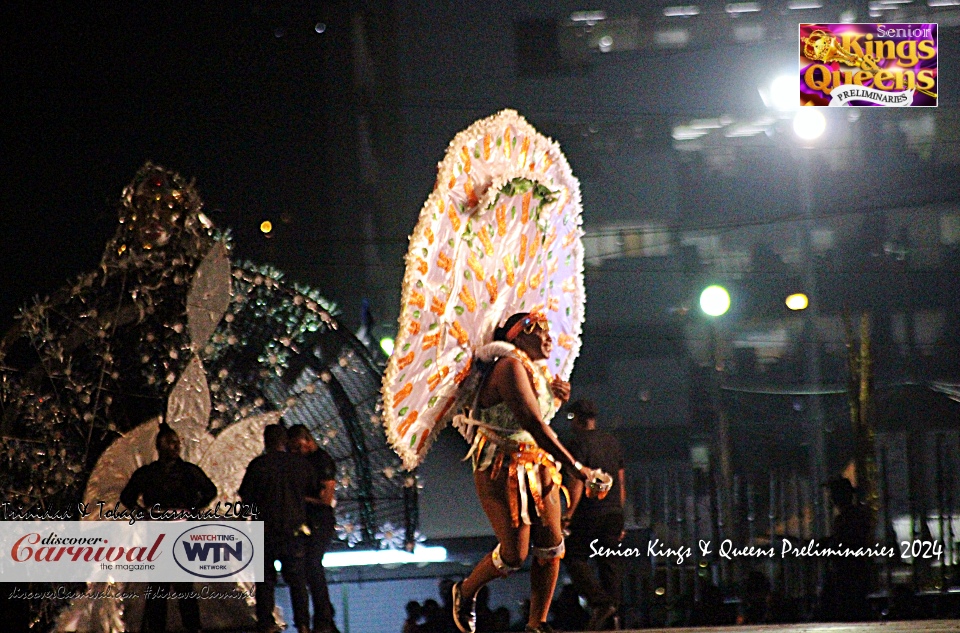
(499,234)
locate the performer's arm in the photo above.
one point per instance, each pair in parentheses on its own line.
(513,384)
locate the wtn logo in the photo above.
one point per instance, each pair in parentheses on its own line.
(213,551)
(202,550)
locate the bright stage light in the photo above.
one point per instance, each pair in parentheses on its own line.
(266,226)
(785,93)
(714,300)
(434,554)
(809,123)
(797,301)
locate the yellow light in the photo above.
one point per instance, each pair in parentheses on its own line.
(266,226)
(660,591)
(797,301)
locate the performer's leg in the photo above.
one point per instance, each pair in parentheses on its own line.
(514,541)
(548,550)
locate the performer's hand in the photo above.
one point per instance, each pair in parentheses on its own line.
(560,389)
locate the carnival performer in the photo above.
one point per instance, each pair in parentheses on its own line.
(494,277)
(516,460)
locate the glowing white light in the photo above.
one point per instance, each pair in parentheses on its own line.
(798,5)
(606,43)
(386,344)
(809,123)
(434,554)
(685,11)
(714,300)
(742,7)
(943,3)
(591,17)
(320,27)
(785,92)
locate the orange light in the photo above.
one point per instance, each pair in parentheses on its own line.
(266,226)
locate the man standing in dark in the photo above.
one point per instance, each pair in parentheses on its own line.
(847,587)
(591,518)
(277,483)
(322,523)
(169,484)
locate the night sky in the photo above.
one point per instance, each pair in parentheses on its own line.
(254,102)
(227,94)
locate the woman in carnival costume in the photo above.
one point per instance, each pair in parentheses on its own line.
(516,461)
(490,320)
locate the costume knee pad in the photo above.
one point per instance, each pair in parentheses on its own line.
(545,554)
(500,564)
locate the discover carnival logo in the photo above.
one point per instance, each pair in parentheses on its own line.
(115,551)
(868,65)
(213,551)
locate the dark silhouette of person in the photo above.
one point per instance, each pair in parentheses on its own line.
(849,582)
(568,615)
(277,483)
(594,519)
(412,622)
(170,483)
(433,620)
(322,523)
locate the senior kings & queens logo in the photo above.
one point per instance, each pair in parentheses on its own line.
(868,64)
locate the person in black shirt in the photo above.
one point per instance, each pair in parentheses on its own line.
(169,484)
(589,519)
(278,482)
(322,523)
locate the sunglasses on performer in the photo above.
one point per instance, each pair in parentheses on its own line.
(529,325)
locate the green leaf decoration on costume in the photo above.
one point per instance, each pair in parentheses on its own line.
(433,401)
(416,314)
(459,357)
(427,363)
(406,346)
(413,440)
(433,326)
(458,309)
(466,274)
(402,412)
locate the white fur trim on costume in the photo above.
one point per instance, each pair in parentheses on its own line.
(492,351)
